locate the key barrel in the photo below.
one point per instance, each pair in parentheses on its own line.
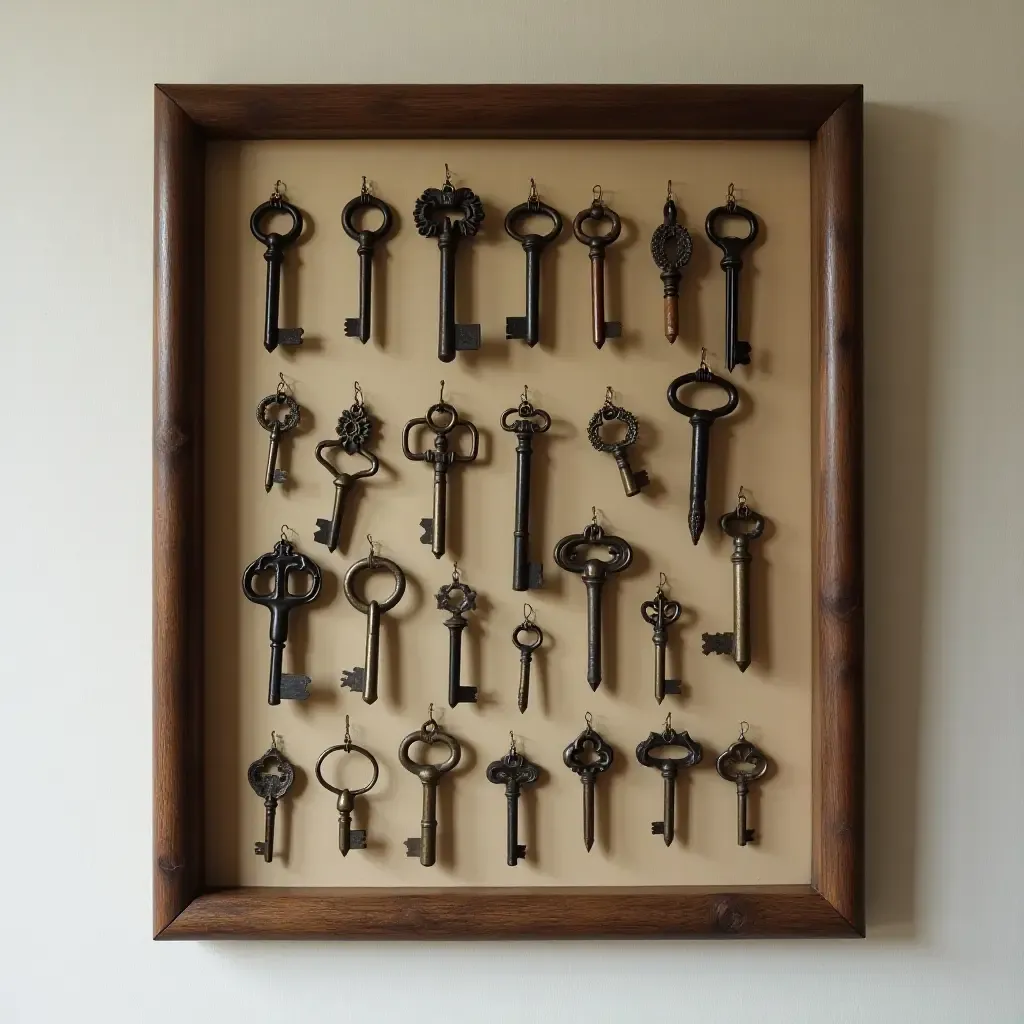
(372,651)
(593,580)
(440,517)
(448,244)
(524,421)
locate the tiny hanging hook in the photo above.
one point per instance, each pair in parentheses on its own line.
(593,514)
(744,726)
(279,189)
(529,615)
(430,714)
(447,175)
(357,394)
(609,395)
(742,508)
(589,719)
(533,191)
(730,200)
(348,735)
(455,572)
(286,530)
(283,387)
(598,195)
(273,739)
(511,742)
(373,551)
(703,359)
(667,727)
(668,197)
(526,395)
(662,582)
(364,189)
(440,395)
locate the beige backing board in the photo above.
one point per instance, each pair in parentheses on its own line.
(765,447)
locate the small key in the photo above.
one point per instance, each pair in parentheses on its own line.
(526,649)
(455,598)
(513,771)
(359,327)
(743,764)
(701,420)
(743,525)
(431,216)
(597,244)
(736,351)
(348,838)
(588,755)
(276,426)
(669,768)
(425,845)
(632,483)
(276,244)
(270,777)
(671,247)
(283,561)
(660,614)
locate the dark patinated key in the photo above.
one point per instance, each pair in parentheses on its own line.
(526,647)
(671,247)
(598,211)
(742,763)
(276,426)
(349,838)
(270,777)
(632,482)
(588,755)
(669,768)
(456,598)
(276,243)
(366,240)
(660,614)
(513,771)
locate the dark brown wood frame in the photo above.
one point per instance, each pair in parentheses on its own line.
(830,117)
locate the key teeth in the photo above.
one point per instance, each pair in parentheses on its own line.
(412,847)
(515,328)
(520,852)
(612,329)
(280,476)
(427,526)
(641,479)
(749,835)
(259,848)
(657,828)
(289,336)
(534,576)
(716,643)
(467,337)
(354,679)
(354,329)
(741,353)
(295,687)
(673,686)
(357,839)
(323,532)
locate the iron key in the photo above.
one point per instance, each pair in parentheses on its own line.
(742,763)
(513,771)
(271,785)
(359,327)
(276,426)
(588,755)
(669,768)
(276,244)
(526,628)
(632,483)
(456,598)
(597,244)
(348,838)
(660,614)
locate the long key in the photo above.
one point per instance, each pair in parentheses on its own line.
(270,777)
(701,420)
(669,768)
(742,763)
(736,351)
(660,614)
(513,771)
(349,838)
(276,243)
(276,426)
(359,327)
(526,650)
(671,247)
(597,244)
(588,755)
(632,482)
(528,327)
(456,598)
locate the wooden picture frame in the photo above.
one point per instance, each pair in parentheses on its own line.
(830,117)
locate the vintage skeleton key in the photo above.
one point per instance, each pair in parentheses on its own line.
(359,327)
(431,216)
(526,575)
(527,627)
(597,244)
(593,572)
(364,679)
(455,598)
(276,426)
(270,776)
(353,430)
(632,483)
(528,327)
(348,838)
(425,845)
(588,755)
(743,525)
(736,351)
(276,244)
(513,771)
(441,459)
(283,561)
(669,768)
(701,420)
(671,247)
(742,763)
(660,614)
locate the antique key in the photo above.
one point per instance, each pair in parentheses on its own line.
(587,756)
(671,247)
(736,351)
(743,525)
(283,561)
(359,326)
(348,838)
(528,327)
(742,763)
(527,628)
(277,426)
(526,575)
(364,679)
(597,244)
(701,420)
(441,459)
(632,483)
(455,598)
(270,776)
(593,572)
(353,430)
(425,846)
(660,614)
(513,771)
(276,244)
(669,768)
(431,216)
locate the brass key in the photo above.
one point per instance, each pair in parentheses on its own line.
(632,483)
(276,426)
(270,776)
(598,211)
(588,755)
(348,838)
(359,327)
(671,247)
(513,771)
(276,244)
(527,627)
(742,763)
(660,614)
(456,598)
(669,768)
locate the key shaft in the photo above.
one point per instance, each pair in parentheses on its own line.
(588,810)
(270,478)
(525,663)
(669,810)
(521,534)
(266,848)
(595,587)
(439,532)
(328,531)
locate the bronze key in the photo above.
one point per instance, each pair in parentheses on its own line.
(660,614)
(632,483)
(359,327)
(270,776)
(348,838)
(513,771)
(669,768)
(456,598)
(597,244)
(742,763)
(671,247)
(276,244)
(528,627)
(588,755)
(277,426)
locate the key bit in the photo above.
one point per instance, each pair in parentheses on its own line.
(669,768)
(527,628)
(276,426)
(456,598)
(671,247)
(742,763)
(660,614)
(588,755)
(359,327)
(513,771)
(632,482)
(598,211)
(276,243)
(270,776)
(348,837)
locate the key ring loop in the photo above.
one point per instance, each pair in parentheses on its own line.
(660,612)
(703,376)
(526,628)
(287,402)
(567,549)
(668,737)
(374,563)
(533,207)
(607,414)
(531,420)
(282,561)
(734,524)
(276,204)
(366,236)
(348,748)
(741,752)
(430,736)
(597,212)
(448,410)
(731,245)
(446,603)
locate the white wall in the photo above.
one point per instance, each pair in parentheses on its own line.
(945,357)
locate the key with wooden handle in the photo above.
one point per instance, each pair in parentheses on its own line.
(671,247)
(597,244)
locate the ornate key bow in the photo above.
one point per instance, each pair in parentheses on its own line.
(669,768)
(671,247)
(660,614)
(588,756)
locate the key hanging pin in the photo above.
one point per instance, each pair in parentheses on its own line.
(743,525)
(442,460)
(270,776)
(742,763)
(632,483)
(598,211)
(276,244)
(425,845)
(671,247)
(736,351)
(527,628)
(701,420)
(431,215)
(354,429)
(669,768)
(527,328)
(529,421)
(660,614)
(588,755)
(348,838)
(594,572)
(456,598)
(282,562)
(359,326)
(513,771)
(363,679)
(276,426)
